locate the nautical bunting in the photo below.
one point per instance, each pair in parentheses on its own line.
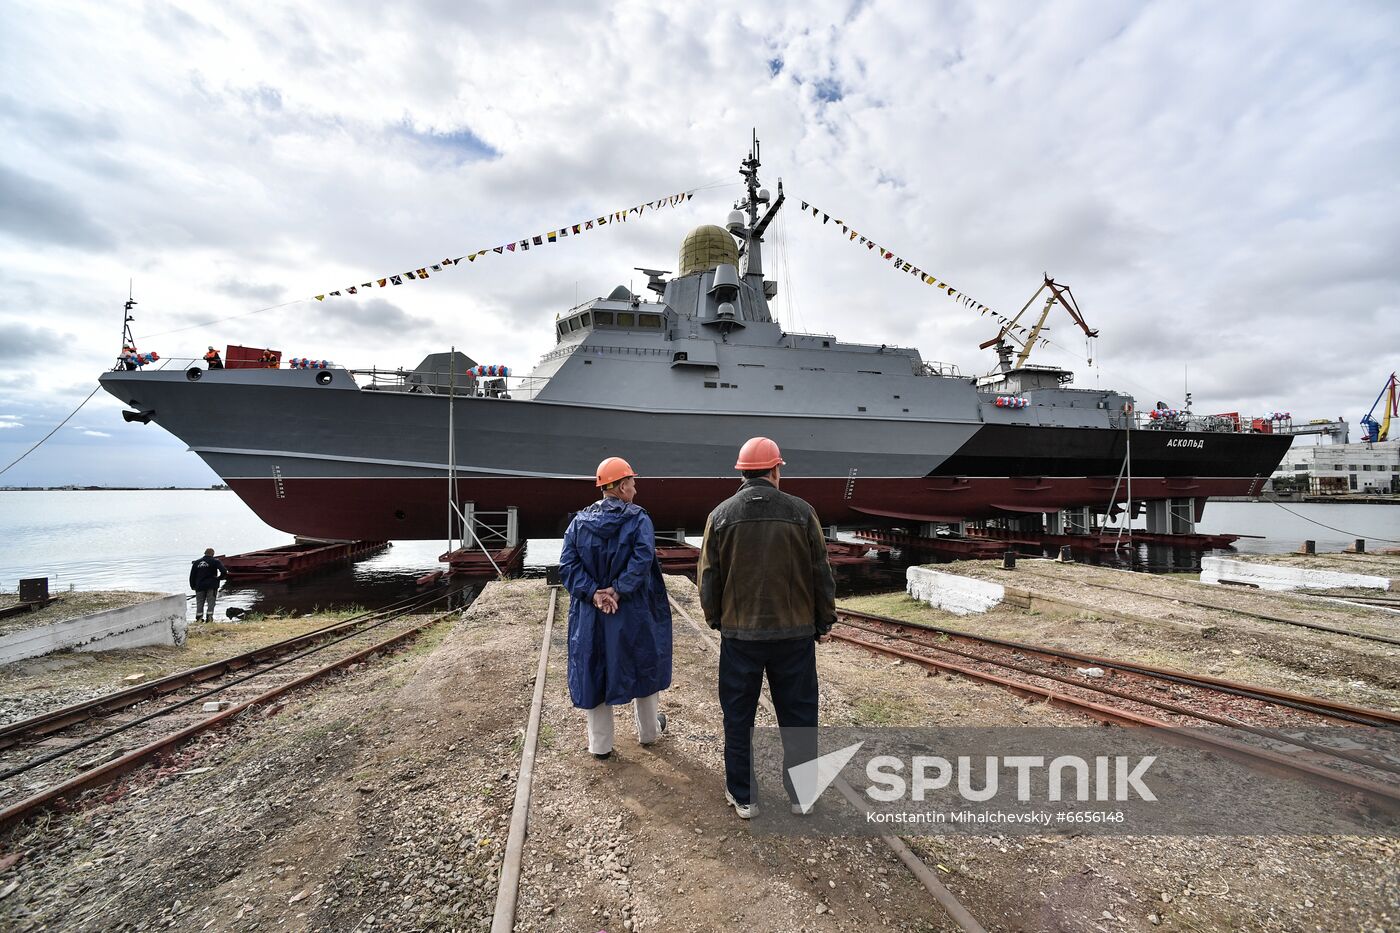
(903,265)
(541,239)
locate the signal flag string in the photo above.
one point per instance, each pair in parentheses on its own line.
(427,269)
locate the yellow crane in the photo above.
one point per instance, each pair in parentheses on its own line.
(1059,294)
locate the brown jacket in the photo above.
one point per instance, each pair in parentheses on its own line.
(763,571)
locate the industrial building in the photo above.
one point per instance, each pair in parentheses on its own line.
(1343,468)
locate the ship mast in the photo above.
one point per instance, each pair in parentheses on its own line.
(744,221)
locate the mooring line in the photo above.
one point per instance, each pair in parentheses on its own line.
(508,887)
(945,898)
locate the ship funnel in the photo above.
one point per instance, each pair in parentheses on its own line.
(726,283)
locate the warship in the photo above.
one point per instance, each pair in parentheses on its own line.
(873,435)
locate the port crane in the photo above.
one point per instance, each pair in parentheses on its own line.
(1059,294)
(1371,430)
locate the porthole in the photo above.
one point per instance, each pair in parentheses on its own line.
(323,378)
(194,374)
(400,515)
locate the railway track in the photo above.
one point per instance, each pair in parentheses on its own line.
(1221,607)
(52,757)
(1265,725)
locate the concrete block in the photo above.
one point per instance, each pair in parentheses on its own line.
(1279,577)
(154,622)
(958,595)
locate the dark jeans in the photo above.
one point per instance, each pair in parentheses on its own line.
(791,665)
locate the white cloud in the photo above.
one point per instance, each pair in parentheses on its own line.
(1215,182)
(10,424)
(90,433)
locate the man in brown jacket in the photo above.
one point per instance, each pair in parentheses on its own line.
(766,584)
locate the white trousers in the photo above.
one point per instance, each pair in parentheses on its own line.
(600,723)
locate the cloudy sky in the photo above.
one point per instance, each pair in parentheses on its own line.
(1216,181)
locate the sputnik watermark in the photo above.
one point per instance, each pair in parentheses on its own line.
(1039,780)
(1116,778)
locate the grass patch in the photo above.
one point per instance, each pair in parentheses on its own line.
(870,712)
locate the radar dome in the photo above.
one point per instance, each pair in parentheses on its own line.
(706,247)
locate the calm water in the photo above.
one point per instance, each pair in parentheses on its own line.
(145,540)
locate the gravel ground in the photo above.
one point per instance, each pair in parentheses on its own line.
(380,801)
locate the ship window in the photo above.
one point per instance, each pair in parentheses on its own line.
(562,328)
(826,343)
(753,365)
(896,396)
(626,319)
(586,320)
(649,320)
(905,410)
(778,388)
(873,372)
(573,324)
(587,362)
(712,385)
(603,317)
(860,408)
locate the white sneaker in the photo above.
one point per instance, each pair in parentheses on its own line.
(745,810)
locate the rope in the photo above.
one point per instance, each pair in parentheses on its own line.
(53,432)
(1349,534)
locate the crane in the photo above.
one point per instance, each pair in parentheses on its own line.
(1058,294)
(1370,429)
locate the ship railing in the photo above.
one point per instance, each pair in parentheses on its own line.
(603,350)
(938,368)
(400,380)
(178,362)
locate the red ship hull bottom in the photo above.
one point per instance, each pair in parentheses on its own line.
(389,508)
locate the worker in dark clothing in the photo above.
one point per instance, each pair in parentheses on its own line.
(205,576)
(766,584)
(213,360)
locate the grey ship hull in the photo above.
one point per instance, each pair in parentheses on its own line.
(340,461)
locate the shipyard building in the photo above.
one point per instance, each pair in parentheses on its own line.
(1321,469)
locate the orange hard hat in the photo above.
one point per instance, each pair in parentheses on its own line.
(613,469)
(759,453)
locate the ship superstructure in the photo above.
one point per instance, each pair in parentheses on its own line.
(872,433)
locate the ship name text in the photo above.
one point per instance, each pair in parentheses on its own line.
(1186,442)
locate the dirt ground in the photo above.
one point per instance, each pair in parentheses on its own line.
(380,801)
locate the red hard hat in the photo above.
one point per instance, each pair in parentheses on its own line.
(759,453)
(613,469)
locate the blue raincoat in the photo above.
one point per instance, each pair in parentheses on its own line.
(620,657)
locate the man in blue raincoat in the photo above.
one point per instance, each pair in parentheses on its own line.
(619,619)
